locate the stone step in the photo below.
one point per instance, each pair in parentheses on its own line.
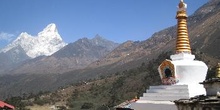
(163,98)
(168,91)
(169,87)
(165,94)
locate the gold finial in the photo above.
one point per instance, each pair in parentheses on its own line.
(218,71)
(181,4)
(182,43)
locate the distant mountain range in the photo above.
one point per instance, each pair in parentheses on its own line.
(47,53)
(77,55)
(27,47)
(92,58)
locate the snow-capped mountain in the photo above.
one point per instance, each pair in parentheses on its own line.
(46,42)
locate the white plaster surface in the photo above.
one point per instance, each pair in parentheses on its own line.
(190,72)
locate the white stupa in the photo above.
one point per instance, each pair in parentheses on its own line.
(180,76)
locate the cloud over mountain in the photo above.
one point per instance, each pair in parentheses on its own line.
(6,36)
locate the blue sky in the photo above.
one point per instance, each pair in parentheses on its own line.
(116,20)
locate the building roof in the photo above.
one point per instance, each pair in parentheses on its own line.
(5,105)
(126,104)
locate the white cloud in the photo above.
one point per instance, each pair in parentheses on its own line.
(6,36)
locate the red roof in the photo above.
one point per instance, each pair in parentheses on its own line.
(3,104)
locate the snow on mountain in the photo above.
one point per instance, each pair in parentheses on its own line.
(46,42)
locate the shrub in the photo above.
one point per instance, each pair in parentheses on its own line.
(87,105)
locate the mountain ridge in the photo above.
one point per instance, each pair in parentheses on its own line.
(164,40)
(76,55)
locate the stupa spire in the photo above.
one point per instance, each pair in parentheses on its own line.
(182,43)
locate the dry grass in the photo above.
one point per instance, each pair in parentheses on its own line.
(37,107)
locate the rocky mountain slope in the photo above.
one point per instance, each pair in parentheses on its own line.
(12,58)
(204,36)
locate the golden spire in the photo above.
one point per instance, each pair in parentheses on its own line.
(218,71)
(182,43)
